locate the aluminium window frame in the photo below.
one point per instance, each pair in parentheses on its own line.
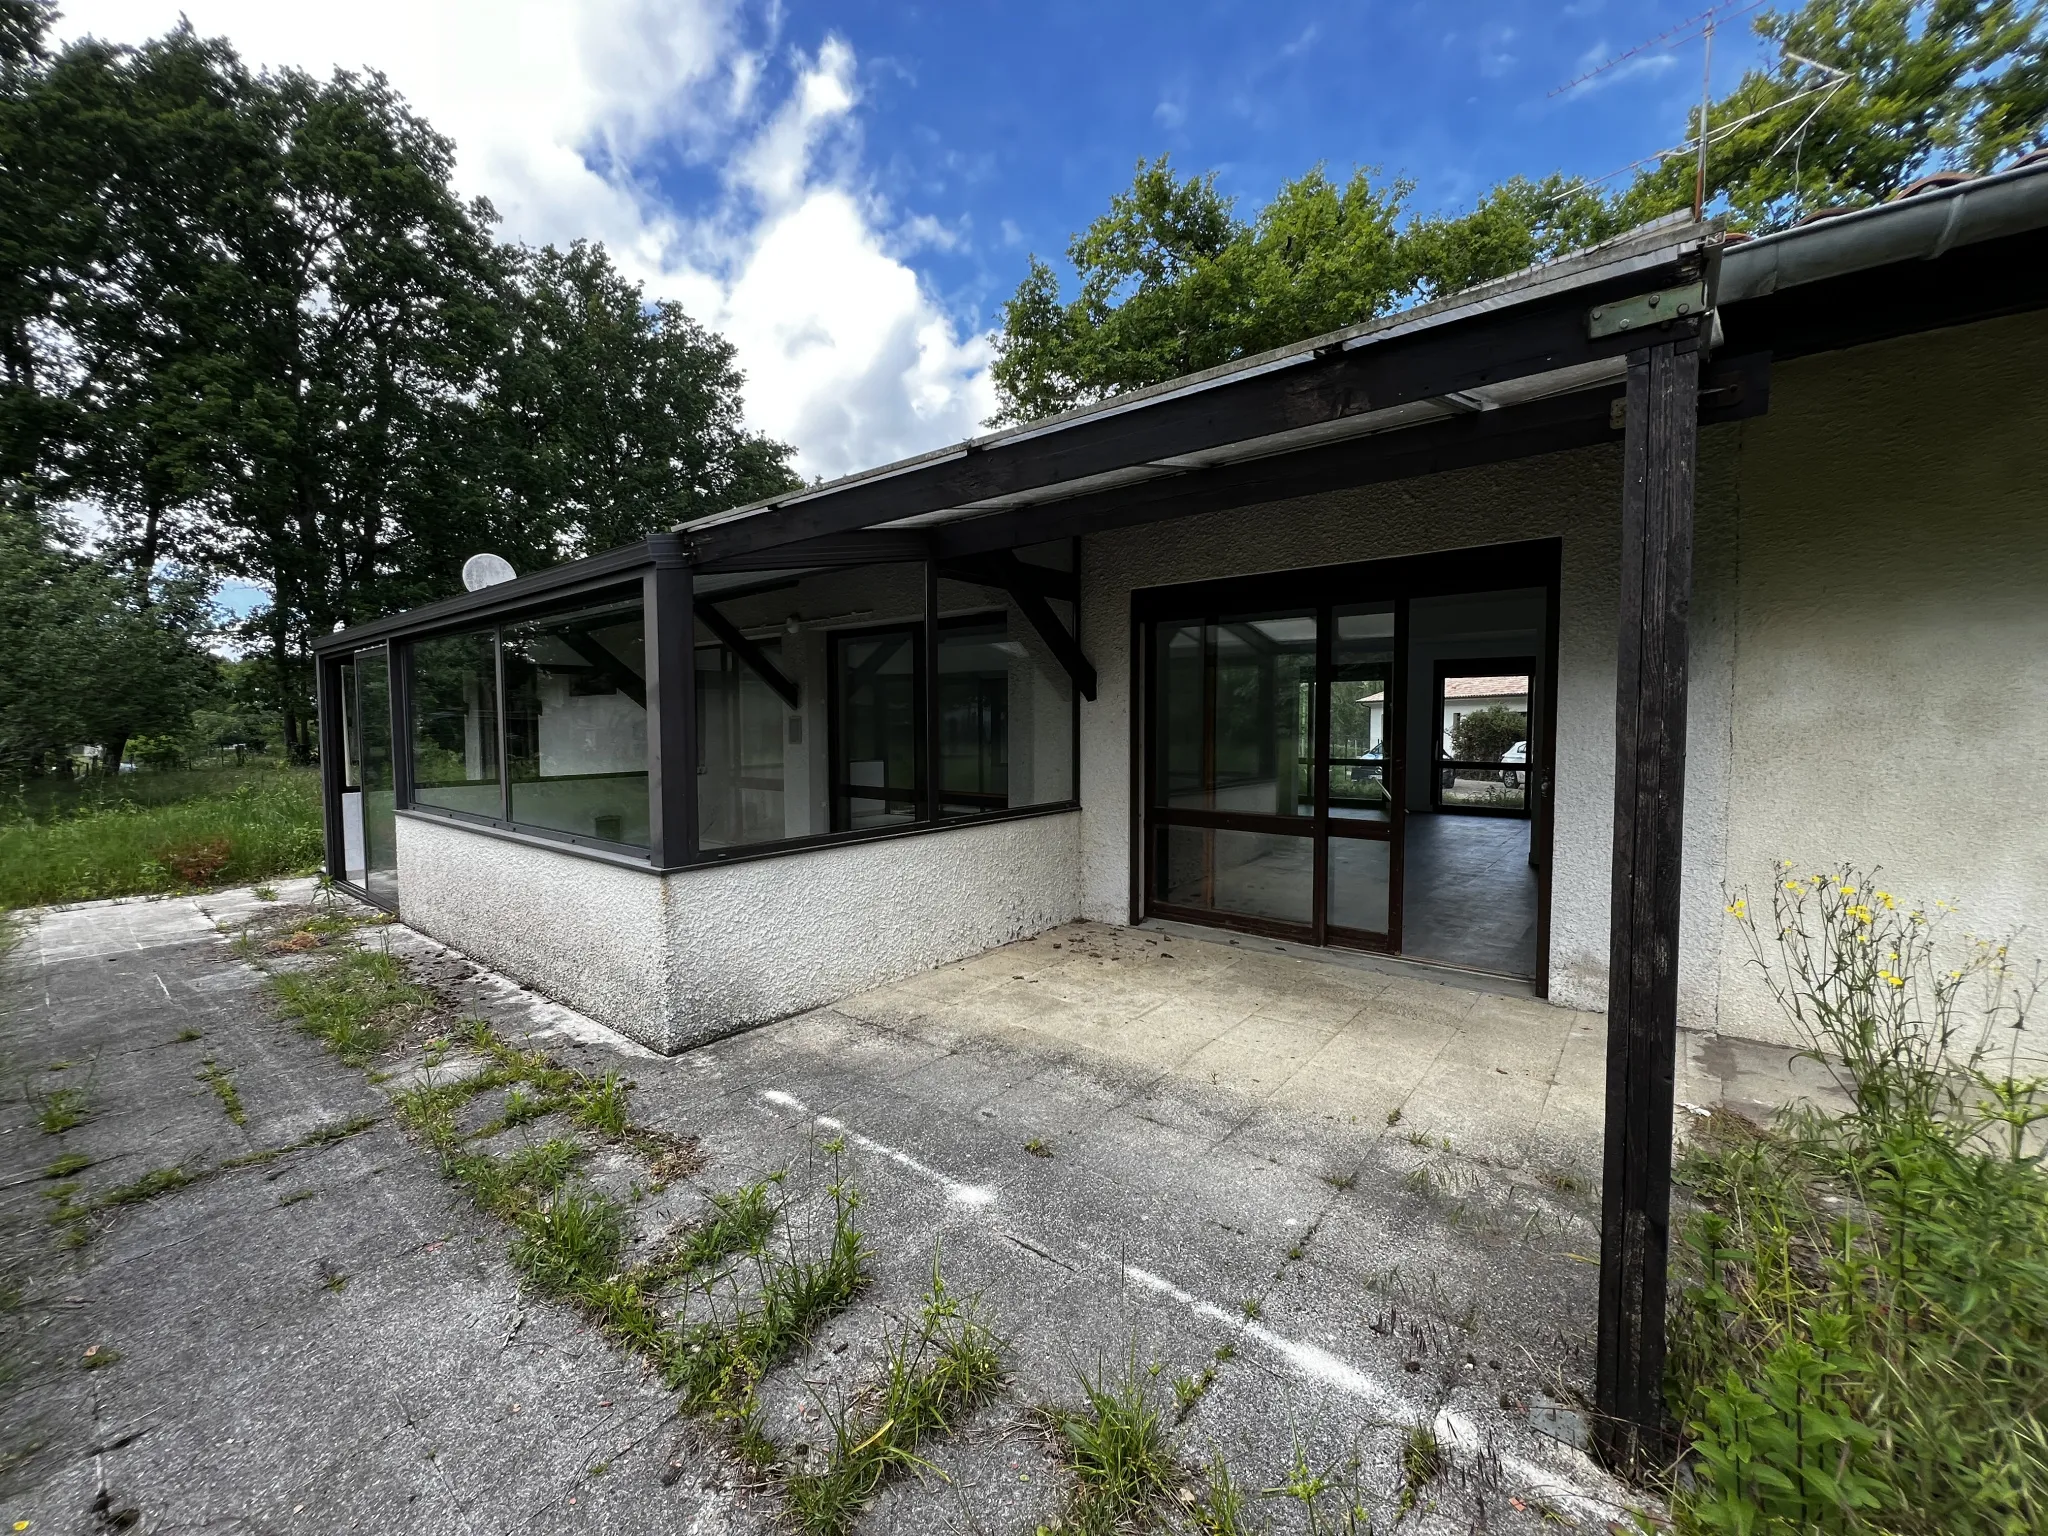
(660,571)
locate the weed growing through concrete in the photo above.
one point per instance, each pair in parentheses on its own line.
(1037,1148)
(295,1196)
(354,1001)
(1222,1509)
(1117,1449)
(67,1165)
(1341,1182)
(224,1089)
(60,1110)
(158,1181)
(186,1037)
(937,1370)
(1422,1463)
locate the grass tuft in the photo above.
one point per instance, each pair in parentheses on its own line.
(1117,1449)
(936,1371)
(353,1001)
(224,1089)
(571,1239)
(60,1110)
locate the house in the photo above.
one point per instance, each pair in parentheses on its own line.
(1711,495)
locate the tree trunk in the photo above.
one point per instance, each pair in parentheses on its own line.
(115,751)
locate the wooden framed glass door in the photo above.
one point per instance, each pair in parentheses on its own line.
(1272,783)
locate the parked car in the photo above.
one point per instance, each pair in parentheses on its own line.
(1518,755)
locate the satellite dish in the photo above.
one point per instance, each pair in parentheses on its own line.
(480,571)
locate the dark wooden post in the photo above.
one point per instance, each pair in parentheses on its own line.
(671,707)
(1649,800)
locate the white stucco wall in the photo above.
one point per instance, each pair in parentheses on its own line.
(674,960)
(1889,651)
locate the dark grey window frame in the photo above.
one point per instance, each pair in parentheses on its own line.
(658,569)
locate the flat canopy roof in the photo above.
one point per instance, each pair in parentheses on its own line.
(1528,364)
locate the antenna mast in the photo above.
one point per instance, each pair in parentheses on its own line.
(1699,180)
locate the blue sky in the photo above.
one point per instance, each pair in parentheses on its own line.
(1011,124)
(849,190)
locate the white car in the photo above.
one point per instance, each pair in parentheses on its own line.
(1518,755)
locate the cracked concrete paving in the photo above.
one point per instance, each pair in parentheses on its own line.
(335,1340)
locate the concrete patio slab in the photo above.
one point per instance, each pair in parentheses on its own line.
(1339,1206)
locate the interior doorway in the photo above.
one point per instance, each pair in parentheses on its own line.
(1368,767)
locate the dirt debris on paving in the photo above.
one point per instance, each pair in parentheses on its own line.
(305,1326)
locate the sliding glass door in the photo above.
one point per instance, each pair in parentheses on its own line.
(1270,795)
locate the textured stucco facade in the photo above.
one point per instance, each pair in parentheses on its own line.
(674,960)
(1869,645)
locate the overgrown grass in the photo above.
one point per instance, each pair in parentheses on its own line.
(1860,1337)
(936,1371)
(1118,1450)
(354,1001)
(147,833)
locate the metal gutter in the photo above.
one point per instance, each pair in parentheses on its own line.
(1918,228)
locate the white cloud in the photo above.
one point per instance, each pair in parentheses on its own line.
(560,113)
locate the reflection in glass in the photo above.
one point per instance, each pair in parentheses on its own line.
(743,747)
(878,777)
(1360,870)
(1251,874)
(374,768)
(1236,713)
(1362,656)
(455,723)
(1006,706)
(576,723)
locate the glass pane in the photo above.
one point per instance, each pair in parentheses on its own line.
(1362,657)
(1006,705)
(1265,672)
(455,723)
(1252,874)
(878,772)
(1359,879)
(380,800)
(744,746)
(1181,710)
(1483,755)
(349,706)
(576,723)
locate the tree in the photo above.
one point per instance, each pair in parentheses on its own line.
(609,417)
(82,659)
(246,318)
(1171,281)
(1481,735)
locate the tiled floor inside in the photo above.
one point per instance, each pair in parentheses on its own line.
(1470,893)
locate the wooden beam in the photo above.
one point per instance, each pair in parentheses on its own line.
(751,655)
(1485,346)
(1735,388)
(1642,978)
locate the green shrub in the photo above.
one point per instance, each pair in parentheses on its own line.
(1860,1330)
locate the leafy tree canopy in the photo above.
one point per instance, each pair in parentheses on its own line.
(1172,281)
(245,317)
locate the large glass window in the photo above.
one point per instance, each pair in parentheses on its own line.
(455,723)
(750,744)
(1006,705)
(576,722)
(878,728)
